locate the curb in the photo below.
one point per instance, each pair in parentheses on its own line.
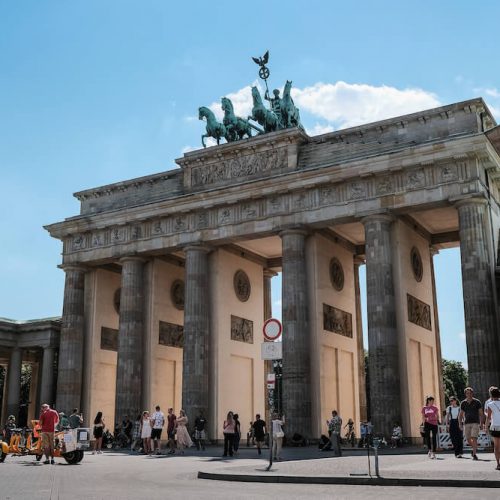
(355,481)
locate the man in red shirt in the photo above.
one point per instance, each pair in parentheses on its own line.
(48,421)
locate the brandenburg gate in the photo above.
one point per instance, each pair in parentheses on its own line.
(168,276)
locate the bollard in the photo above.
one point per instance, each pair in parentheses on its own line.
(376,444)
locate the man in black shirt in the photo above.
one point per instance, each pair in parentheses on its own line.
(259,431)
(199,430)
(470,419)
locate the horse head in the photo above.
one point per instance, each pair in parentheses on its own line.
(257,99)
(287,88)
(203,112)
(227,105)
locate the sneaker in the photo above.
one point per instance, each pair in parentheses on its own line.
(498,467)
(474,457)
(47,462)
(52,462)
(93,453)
(429,454)
(433,456)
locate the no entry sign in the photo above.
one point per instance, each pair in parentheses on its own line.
(272,329)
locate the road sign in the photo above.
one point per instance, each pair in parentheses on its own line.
(271,350)
(272,329)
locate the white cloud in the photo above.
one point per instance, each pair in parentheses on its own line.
(492,92)
(187,149)
(350,104)
(319,129)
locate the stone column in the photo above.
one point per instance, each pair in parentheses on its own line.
(437,336)
(383,356)
(47,383)
(14,382)
(481,323)
(195,367)
(363,413)
(296,336)
(130,339)
(69,374)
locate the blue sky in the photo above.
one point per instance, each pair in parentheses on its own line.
(93,92)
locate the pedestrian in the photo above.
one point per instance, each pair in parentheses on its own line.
(127,426)
(48,422)
(136,433)
(259,432)
(199,430)
(350,435)
(493,422)
(183,438)
(485,408)
(430,421)
(98,432)
(146,432)
(228,431)
(362,434)
(278,435)
(237,433)
(171,418)
(75,419)
(158,419)
(470,419)
(63,422)
(334,431)
(8,427)
(453,427)
(397,435)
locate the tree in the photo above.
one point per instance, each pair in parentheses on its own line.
(455,379)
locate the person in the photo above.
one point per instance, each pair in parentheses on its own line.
(397,435)
(278,435)
(369,432)
(183,439)
(75,419)
(362,434)
(136,433)
(430,420)
(274,101)
(146,432)
(453,427)
(98,432)
(7,428)
(259,432)
(250,435)
(470,419)
(158,419)
(127,428)
(493,422)
(334,431)
(48,421)
(350,435)
(228,431)
(237,433)
(199,430)
(63,422)
(171,418)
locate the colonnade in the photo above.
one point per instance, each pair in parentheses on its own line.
(384,362)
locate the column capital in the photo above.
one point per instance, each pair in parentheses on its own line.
(381,217)
(198,248)
(73,267)
(269,273)
(358,261)
(433,250)
(301,230)
(475,200)
(132,258)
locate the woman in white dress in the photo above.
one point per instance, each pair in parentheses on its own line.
(278,435)
(183,438)
(146,432)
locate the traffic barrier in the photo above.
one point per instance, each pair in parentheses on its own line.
(444,440)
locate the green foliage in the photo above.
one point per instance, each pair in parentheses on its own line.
(25,383)
(455,379)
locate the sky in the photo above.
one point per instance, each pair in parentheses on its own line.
(95,92)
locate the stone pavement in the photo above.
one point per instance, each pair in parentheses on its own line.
(116,475)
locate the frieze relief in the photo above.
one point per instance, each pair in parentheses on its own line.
(275,204)
(337,321)
(171,335)
(241,329)
(239,167)
(419,312)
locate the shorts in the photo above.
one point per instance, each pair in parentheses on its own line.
(171,434)
(260,438)
(471,431)
(495,434)
(48,440)
(98,432)
(199,435)
(156,433)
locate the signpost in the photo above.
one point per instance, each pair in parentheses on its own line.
(271,350)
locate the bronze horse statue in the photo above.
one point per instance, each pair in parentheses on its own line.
(261,114)
(237,128)
(290,115)
(215,129)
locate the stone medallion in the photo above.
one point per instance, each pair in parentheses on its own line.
(177,294)
(336,274)
(241,285)
(416,264)
(116,300)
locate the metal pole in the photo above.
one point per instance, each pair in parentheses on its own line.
(270,444)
